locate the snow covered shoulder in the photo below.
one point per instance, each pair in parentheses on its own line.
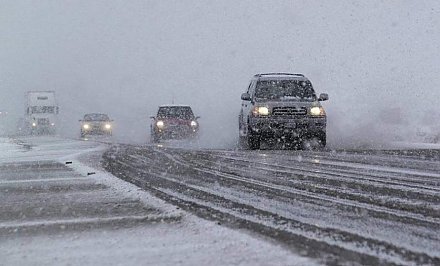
(57,210)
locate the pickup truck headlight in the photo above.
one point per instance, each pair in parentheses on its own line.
(160,124)
(261,110)
(108,126)
(86,126)
(317,111)
(193,123)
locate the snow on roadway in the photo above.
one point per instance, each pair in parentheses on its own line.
(53,214)
(412,145)
(376,206)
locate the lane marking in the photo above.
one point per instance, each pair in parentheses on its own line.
(153,217)
(43,180)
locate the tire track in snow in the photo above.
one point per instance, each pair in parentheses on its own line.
(149,168)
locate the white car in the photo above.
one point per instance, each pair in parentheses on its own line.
(96,124)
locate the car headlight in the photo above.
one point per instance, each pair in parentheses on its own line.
(317,111)
(193,123)
(108,126)
(86,126)
(160,124)
(34,124)
(261,110)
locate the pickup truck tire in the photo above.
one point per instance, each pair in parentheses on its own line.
(316,142)
(323,142)
(323,139)
(154,138)
(253,141)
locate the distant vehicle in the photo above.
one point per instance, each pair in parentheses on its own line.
(21,127)
(96,124)
(4,123)
(41,113)
(174,122)
(281,106)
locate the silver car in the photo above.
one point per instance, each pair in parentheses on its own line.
(281,107)
(96,124)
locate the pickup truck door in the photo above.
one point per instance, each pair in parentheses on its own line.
(246,107)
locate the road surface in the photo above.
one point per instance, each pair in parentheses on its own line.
(59,208)
(366,207)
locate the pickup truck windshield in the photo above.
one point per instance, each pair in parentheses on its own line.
(96,117)
(284,90)
(182,112)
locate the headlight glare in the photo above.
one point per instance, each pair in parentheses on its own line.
(108,126)
(86,126)
(261,110)
(160,124)
(317,111)
(193,123)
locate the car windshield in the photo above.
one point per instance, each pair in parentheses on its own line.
(96,117)
(182,112)
(284,90)
(43,109)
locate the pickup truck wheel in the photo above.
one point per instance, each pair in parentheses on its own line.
(253,142)
(323,141)
(154,138)
(322,138)
(241,142)
(315,143)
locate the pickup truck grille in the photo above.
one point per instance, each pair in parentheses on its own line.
(43,121)
(289,111)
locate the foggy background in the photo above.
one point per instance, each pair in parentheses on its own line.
(378,60)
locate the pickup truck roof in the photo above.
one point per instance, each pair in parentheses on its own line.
(174,105)
(280,76)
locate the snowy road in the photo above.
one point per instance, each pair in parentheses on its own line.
(371,207)
(53,213)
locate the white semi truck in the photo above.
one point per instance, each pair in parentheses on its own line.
(5,123)
(41,112)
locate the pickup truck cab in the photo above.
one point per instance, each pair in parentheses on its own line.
(281,106)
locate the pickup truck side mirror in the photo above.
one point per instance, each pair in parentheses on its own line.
(323,97)
(246,97)
(198,117)
(152,117)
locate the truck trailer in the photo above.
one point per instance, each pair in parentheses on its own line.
(41,113)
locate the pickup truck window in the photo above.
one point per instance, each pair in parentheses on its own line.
(284,90)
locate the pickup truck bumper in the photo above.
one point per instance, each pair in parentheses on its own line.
(267,127)
(181,132)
